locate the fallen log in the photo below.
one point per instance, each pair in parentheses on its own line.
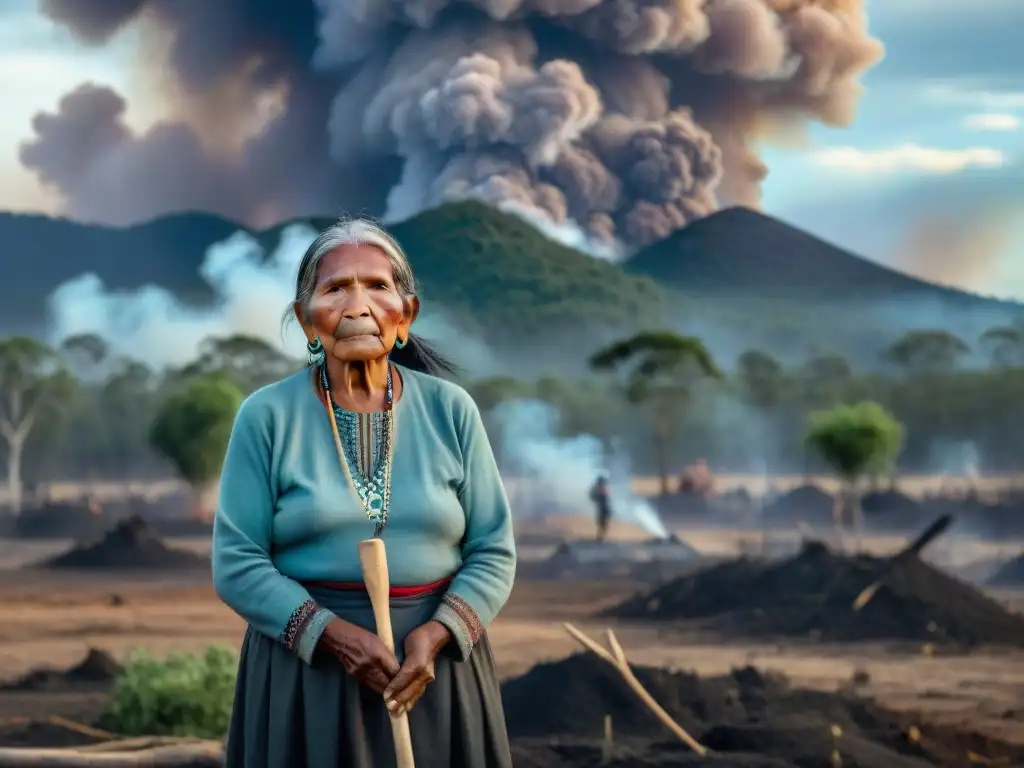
(196,754)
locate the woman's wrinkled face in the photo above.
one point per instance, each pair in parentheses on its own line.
(356,309)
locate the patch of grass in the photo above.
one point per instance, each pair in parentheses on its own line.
(180,695)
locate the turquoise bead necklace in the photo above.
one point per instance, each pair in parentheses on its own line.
(371,481)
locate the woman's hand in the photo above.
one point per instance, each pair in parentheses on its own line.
(421,648)
(362,653)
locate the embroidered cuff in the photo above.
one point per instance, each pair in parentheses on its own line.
(462,621)
(296,623)
(310,635)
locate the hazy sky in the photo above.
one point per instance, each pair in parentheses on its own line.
(929,179)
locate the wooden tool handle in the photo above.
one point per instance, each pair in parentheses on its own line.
(374,563)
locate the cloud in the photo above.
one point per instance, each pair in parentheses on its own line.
(992,100)
(992,121)
(908,158)
(927,226)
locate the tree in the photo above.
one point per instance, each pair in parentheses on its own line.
(926,351)
(33,385)
(491,392)
(249,361)
(660,368)
(1006,344)
(192,428)
(127,398)
(856,441)
(762,378)
(86,347)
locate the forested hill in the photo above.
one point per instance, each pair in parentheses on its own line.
(499,277)
(739,252)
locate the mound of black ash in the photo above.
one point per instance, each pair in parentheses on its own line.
(892,510)
(748,718)
(812,595)
(588,552)
(1009,574)
(573,696)
(60,519)
(131,544)
(806,503)
(655,559)
(573,753)
(97,669)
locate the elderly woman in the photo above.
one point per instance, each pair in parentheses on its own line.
(357,446)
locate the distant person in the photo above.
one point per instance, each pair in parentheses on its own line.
(600,494)
(368,441)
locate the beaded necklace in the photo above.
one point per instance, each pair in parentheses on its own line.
(372,486)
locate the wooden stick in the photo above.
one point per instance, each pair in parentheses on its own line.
(85,730)
(199,755)
(374,562)
(617,658)
(142,742)
(609,741)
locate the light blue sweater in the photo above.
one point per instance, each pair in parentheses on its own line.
(287,514)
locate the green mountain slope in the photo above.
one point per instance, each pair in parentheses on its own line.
(738,252)
(738,279)
(497,273)
(492,272)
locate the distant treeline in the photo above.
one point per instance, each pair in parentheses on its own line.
(97,422)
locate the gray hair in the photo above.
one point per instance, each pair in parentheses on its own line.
(347,231)
(418,354)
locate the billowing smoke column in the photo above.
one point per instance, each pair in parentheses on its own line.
(628,118)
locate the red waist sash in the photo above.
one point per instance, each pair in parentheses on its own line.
(417,590)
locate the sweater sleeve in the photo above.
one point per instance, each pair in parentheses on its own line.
(244,575)
(482,585)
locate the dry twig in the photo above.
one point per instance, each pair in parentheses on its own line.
(617,658)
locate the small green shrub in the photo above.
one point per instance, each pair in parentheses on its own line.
(181,695)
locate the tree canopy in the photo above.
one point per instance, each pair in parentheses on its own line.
(659,367)
(856,440)
(926,351)
(193,425)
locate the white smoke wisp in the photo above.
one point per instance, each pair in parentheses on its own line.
(153,326)
(568,233)
(556,473)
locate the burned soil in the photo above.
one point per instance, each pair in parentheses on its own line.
(812,594)
(804,504)
(1010,574)
(747,718)
(96,671)
(647,561)
(130,545)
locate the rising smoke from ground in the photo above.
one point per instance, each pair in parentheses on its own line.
(548,474)
(251,291)
(628,118)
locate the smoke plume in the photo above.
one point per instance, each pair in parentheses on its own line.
(251,291)
(624,118)
(151,325)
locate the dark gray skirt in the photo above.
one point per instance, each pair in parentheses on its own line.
(288,714)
